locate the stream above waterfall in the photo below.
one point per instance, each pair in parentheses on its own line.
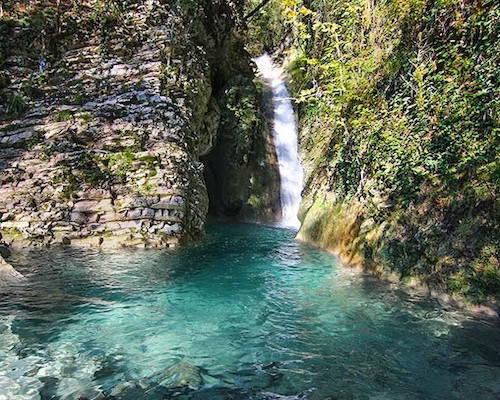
(247,313)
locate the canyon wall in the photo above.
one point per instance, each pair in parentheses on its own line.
(108,111)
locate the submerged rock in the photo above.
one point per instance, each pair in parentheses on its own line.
(121,388)
(8,274)
(181,374)
(5,251)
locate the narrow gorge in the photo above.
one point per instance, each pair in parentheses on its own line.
(249,200)
(118,132)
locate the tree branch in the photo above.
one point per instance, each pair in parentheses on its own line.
(255,10)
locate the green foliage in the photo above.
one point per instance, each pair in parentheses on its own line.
(402,98)
(49,27)
(36,138)
(95,170)
(120,164)
(145,190)
(81,99)
(240,118)
(108,15)
(16,104)
(481,280)
(85,117)
(88,170)
(407,104)
(63,116)
(91,169)
(266,29)
(7,25)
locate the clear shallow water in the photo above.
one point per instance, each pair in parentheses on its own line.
(248,313)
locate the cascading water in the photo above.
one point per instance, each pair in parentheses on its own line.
(285,142)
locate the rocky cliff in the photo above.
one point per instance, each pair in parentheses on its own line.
(398,106)
(109,109)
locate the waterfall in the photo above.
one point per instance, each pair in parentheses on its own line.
(285,142)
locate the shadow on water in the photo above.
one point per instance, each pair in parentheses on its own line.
(62,281)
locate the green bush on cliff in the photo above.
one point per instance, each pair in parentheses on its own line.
(16,104)
(400,100)
(266,27)
(240,117)
(120,164)
(63,116)
(48,27)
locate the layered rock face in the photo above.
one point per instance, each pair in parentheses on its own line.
(108,149)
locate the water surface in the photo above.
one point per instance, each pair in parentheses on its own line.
(248,313)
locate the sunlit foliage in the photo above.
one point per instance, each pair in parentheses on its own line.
(401,98)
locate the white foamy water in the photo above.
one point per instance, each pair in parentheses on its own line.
(285,142)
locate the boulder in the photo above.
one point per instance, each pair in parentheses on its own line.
(5,251)
(8,274)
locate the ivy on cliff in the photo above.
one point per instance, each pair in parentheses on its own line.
(266,28)
(401,98)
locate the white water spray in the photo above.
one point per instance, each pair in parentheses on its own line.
(285,142)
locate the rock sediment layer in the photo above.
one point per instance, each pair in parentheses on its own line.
(108,150)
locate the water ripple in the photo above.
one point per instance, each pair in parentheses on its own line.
(248,313)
